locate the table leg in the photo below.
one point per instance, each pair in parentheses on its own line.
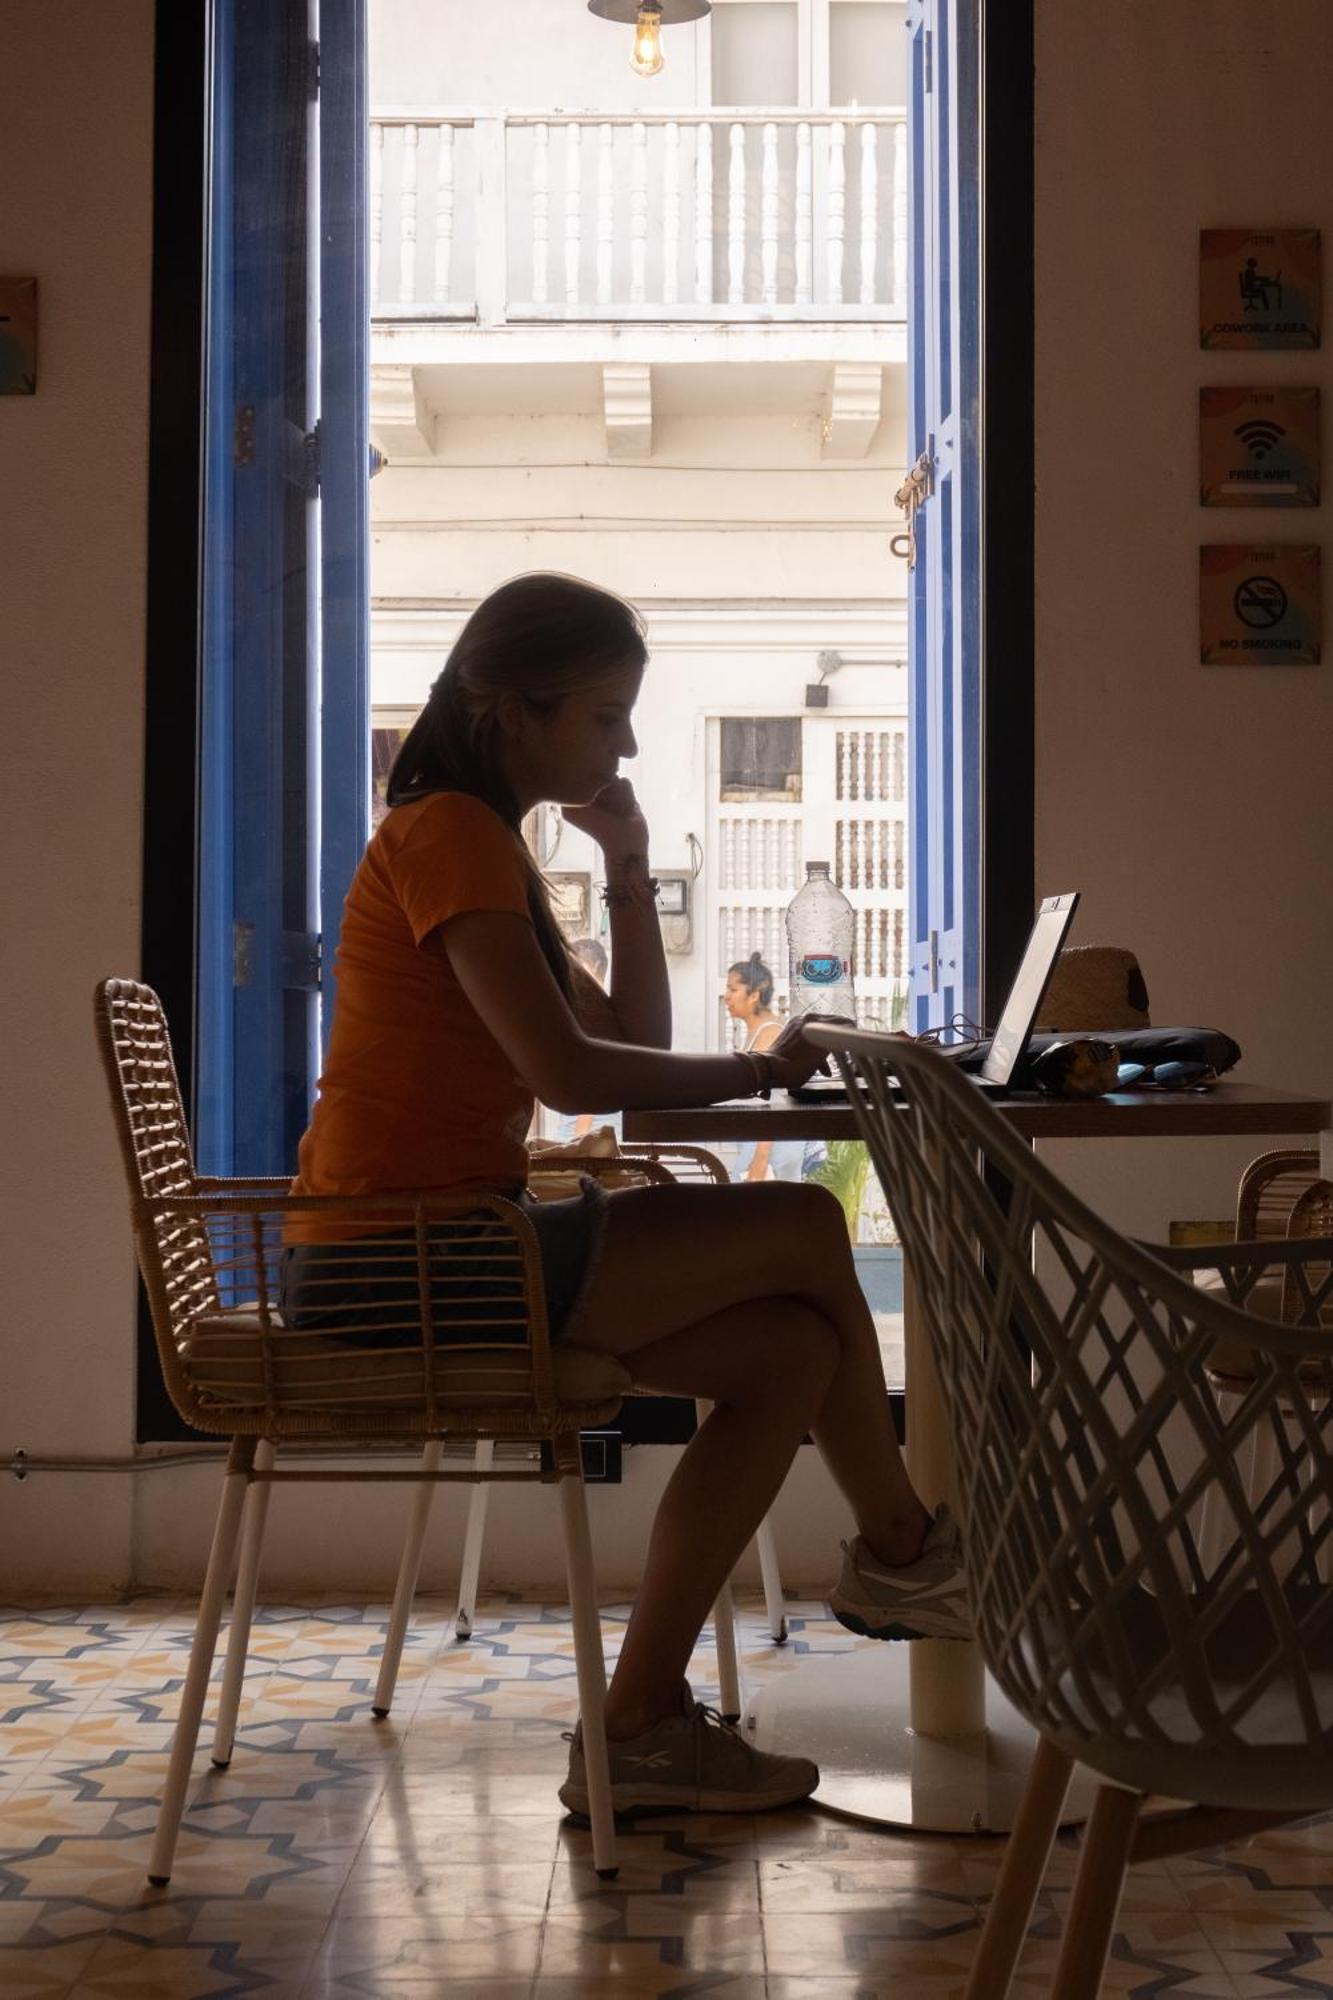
(910,1735)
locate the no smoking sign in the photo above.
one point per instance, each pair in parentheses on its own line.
(1260,606)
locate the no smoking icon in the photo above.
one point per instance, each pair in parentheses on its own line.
(1260,602)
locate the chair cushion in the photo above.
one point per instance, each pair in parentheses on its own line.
(1231,1357)
(225,1358)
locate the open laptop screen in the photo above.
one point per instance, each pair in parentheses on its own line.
(1029,988)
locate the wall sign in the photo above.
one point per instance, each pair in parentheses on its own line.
(1259,605)
(1259,447)
(1259,288)
(18,336)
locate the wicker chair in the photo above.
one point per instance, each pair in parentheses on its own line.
(1087,1434)
(210,1252)
(630,1165)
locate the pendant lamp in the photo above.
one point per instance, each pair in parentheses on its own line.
(647,18)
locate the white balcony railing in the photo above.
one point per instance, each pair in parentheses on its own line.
(709,215)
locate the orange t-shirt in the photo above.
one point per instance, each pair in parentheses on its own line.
(417,1092)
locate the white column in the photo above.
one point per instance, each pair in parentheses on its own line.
(638,215)
(376,209)
(573,211)
(805,216)
(541,212)
(671,214)
(606,212)
(900,213)
(869,212)
(407,220)
(492,183)
(736,218)
(769,217)
(837,208)
(444,214)
(703,217)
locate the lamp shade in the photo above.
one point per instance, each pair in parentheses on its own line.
(671,11)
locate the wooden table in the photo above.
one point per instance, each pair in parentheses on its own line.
(917,1735)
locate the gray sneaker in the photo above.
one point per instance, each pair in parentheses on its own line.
(926,1600)
(692,1762)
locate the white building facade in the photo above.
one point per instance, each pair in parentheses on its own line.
(652,332)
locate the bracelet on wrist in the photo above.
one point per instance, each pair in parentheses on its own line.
(642,889)
(761,1072)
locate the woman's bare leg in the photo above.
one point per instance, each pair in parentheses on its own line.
(748,1243)
(766,1366)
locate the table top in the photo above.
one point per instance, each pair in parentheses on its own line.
(1123,1114)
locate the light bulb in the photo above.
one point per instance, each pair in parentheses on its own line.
(647,59)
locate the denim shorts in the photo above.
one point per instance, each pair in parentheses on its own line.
(326,1286)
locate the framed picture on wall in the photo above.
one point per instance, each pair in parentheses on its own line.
(1259,288)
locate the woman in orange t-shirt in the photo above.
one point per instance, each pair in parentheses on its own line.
(457,1005)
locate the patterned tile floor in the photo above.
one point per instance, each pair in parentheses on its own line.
(341,1857)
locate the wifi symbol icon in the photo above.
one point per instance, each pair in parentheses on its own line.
(1260,436)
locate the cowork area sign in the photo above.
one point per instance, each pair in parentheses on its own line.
(1259,605)
(1259,288)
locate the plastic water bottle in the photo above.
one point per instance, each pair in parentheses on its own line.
(821,931)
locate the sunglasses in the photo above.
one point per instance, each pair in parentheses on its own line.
(1166,1076)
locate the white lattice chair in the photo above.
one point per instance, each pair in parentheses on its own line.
(1088,1434)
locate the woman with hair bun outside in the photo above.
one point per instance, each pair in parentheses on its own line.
(459,1003)
(749,999)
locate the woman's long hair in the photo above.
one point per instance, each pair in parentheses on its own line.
(539,637)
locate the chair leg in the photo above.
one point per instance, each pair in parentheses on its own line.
(1020,1875)
(590,1662)
(475,1535)
(186,1735)
(768,1568)
(728,1667)
(253,1523)
(1096,1898)
(409,1569)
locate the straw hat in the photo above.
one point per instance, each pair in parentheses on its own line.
(1095,986)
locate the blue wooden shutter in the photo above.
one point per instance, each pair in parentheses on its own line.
(945,598)
(283,753)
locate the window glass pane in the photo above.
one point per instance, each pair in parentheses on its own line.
(761,758)
(755,53)
(867,52)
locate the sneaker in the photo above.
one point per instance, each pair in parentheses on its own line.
(926,1600)
(692,1762)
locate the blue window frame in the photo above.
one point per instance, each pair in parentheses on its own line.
(284,723)
(945,590)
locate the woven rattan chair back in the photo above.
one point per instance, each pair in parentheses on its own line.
(1087,1440)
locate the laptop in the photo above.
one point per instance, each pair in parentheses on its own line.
(993,1065)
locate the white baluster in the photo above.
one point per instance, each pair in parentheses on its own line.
(444,213)
(869,212)
(407,221)
(671,214)
(541,213)
(805,216)
(703,217)
(606,212)
(573,211)
(736,218)
(900,214)
(376,209)
(768,217)
(837,208)
(638,215)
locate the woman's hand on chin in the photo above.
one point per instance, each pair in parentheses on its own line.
(614,820)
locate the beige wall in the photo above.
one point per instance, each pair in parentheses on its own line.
(1191,804)
(75,161)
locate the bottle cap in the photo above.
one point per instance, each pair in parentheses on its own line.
(816,868)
